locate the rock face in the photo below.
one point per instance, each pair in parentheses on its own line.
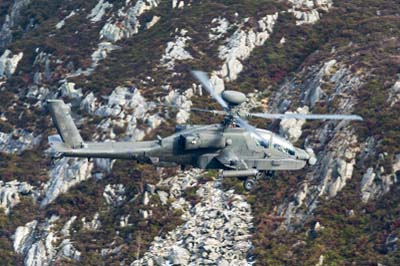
(182,101)
(61,24)
(175,50)
(291,128)
(216,231)
(66,173)
(99,10)
(328,81)
(127,23)
(126,106)
(68,90)
(394,94)
(307,11)
(36,242)
(375,183)
(114,194)
(10,193)
(11,22)
(9,63)
(18,141)
(238,47)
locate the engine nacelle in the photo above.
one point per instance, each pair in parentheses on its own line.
(203,141)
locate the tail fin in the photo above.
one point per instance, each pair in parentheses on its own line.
(62,119)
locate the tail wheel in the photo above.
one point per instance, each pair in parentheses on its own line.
(249,184)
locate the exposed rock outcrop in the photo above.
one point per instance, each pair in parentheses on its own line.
(36,242)
(182,102)
(61,23)
(291,128)
(65,174)
(17,141)
(175,50)
(9,63)
(127,22)
(114,194)
(238,48)
(10,193)
(375,183)
(394,93)
(11,21)
(329,81)
(216,231)
(309,12)
(97,13)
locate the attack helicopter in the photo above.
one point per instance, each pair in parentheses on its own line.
(232,146)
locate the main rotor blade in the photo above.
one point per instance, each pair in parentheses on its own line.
(205,82)
(307,117)
(243,124)
(216,112)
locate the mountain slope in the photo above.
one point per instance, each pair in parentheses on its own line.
(112,59)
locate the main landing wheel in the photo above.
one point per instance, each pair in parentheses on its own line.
(249,184)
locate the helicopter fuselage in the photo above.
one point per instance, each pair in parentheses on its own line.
(206,147)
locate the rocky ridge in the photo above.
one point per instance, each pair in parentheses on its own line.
(125,113)
(217,229)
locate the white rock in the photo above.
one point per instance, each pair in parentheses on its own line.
(10,193)
(146,198)
(124,221)
(11,21)
(178,4)
(67,250)
(179,255)
(93,225)
(152,22)
(89,103)
(9,63)
(291,128)
(394,93)
(103,49)
(65,174)
(127,21)
(68,90)
(221,28)
(114,194)
(65,231)
(239,46)
(376,184)
(23,237)
(99,10)
(307,12)
(175,51)
(18,141)
(61,24)
(37,255)
(182,101)
(216,228)
(163,196)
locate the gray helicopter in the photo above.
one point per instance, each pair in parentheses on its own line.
(232,146)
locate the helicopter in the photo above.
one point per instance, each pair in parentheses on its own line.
(233,146)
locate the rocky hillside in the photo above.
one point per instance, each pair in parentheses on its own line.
(113,61)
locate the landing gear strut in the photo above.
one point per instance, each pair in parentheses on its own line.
(251,182)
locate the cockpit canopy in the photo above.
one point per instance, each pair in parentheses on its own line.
(273,141)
